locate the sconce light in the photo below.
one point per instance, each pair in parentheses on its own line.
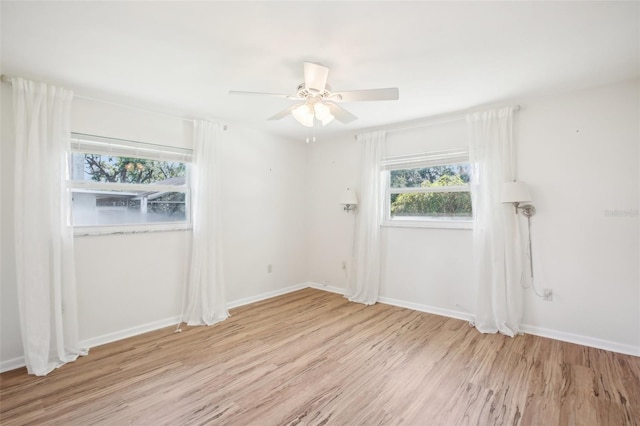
(516,193)
(349,200)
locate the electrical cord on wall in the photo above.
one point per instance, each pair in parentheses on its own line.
(530,256)
(348,269)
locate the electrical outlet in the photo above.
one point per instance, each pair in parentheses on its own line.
(547,294)
(269,268)
(344,264)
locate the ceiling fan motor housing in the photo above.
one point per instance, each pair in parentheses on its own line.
(305,93)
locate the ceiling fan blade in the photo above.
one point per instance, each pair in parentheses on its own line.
(387,94)
(340,113)
(315,76)
(279,95)
(284,113)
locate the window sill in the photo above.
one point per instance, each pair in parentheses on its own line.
(434,224)
(85,231)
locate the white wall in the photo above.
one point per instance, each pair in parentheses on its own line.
(264,195)
(421,266)
(331,168)
(430,267)
(128,281)
(579,153)
(133,282)
(10,340)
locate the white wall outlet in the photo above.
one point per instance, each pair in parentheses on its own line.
(269,268)
(547,294)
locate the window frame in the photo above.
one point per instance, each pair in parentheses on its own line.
(423,160)
(92,144)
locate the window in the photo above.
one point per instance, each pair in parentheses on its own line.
(430,190)
(120,185)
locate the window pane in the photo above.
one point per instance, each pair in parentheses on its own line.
(433,205)
(96,207)
(106,168)
(448,175)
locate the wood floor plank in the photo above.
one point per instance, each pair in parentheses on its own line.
(313,358)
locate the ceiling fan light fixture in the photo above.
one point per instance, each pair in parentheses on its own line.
(327,120)
(304,114)
(323,113)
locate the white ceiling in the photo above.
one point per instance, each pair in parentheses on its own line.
(184,57)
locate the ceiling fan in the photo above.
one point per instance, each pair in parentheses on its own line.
(319,102)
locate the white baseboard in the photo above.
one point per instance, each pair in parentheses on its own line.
(465,316)
(324,287)
(579,339)
(427,308)
(267,295)
(18,362)
(401,303)
(12,364)
(525,328)
(156,325)
(129,332)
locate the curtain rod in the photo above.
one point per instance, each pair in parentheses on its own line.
(6,79)
(426,122)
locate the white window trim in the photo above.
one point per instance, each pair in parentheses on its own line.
(427,223)
(420,190)
(83,185)
(432,159)
(90,144)
(86,231)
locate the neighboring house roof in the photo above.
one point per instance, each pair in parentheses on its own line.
(137,195)
(150,195)
(98,191)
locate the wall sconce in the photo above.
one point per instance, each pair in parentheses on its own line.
(349,200)
(516,193)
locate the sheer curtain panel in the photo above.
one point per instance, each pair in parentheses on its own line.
(364,282)
(45,267)
(496,232)
(206,303)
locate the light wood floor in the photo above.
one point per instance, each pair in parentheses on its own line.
(311,357)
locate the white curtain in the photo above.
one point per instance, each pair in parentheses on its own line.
(43,231)
(364,282)
(206,302)
(496,233)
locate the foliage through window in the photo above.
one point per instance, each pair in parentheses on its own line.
(117,182)
(434,193)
